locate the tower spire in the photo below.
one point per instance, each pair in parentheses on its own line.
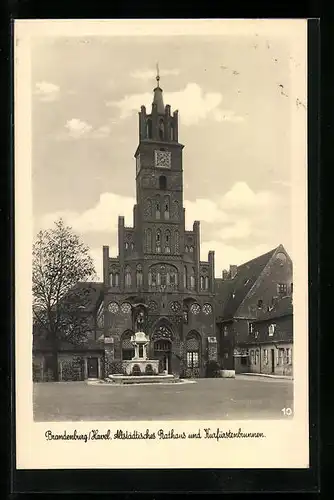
(157,98)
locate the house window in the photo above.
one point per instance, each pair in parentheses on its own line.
(291,288)
(252,357)
(271,329)
(250,328)
(192,359)
(282,289)
(280,356)
(225,331)
(257,354)
(259,303)
(265,356)
(244,361)
(288,356)
(225,355)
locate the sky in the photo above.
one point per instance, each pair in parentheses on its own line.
(234,99)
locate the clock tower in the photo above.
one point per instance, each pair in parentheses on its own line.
(159,216)
(158,267)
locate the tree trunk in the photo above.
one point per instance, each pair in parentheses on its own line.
(54,360)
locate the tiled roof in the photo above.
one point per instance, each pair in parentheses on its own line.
(41,344)
(89,293)
(231,292)
(283,307)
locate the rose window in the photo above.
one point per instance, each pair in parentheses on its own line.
(195,309)
(207,309)
(113,307)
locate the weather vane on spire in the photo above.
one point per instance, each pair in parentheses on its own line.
(158,76)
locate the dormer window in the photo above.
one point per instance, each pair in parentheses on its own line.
(271,330)
(250,328)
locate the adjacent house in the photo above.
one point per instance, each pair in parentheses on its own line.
(244,295)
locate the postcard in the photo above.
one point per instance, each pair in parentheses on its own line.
(161,244)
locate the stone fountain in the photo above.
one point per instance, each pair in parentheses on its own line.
(140,364)
(140,369)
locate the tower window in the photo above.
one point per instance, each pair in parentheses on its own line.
(185,278)
(166,207)
(206,283)
(158,241)
(161,130)
(202,282)
(128,277)
(162,182)
(157,208)
(148,240)
(139,275)
(172,131)
(192,279)
(167,241)
(149,128)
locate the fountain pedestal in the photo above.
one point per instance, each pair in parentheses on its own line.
(139,364)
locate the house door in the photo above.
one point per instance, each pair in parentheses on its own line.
(272,361)
(162,351)
(92,367)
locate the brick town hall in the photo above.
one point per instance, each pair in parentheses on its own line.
(190,316)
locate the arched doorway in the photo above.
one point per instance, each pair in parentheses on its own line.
(162,345)
(193,354)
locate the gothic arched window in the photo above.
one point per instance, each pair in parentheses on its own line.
(186,248)
(192,279)
(185,277)
(167,241)
(176,209)
(166,207)
(177,242)
(139,275)
(149,128)
(162,182)
(148,240)
(157,207)
(127,277)
(172,131)
(161,129)
(206,283)
(202,282)
(158,241)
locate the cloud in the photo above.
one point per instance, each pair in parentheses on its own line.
(203,210)
(225,255)
(239,230)
(103,217)
(149,74)
(227,115)
(77,128)
(241,196)
(193,103)
(46,91)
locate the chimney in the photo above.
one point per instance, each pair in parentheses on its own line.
(233,271)
(225,274)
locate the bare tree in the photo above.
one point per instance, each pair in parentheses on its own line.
(60,261)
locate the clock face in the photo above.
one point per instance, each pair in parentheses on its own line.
(207,309)
(163,159)
(113,307)
(175,307)
(195,309)
(126,308)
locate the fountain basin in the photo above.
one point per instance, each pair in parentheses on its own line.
(143,365)
(141,379)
